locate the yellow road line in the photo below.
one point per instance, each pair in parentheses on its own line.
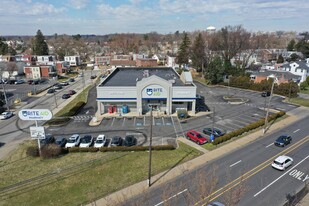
(256,170)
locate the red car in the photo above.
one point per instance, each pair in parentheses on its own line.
(196,137)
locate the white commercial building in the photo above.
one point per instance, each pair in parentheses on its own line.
(137,89)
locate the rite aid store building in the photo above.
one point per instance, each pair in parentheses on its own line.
(137,89)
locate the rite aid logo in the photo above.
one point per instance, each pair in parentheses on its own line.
(154,91)
(35,114)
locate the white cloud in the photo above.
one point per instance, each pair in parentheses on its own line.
(78,4)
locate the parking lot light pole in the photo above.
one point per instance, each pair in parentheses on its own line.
(150,149)
(290,81)
(213,120)
(266,117)
(4,93)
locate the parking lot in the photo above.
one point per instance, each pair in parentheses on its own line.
(224,116)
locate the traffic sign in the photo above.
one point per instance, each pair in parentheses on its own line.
(37,132)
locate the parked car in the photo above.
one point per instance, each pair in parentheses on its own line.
(201,108)
(93,76)
(73,141)
(11,81)
(64,84)
(86,141)
(65,96)
(36,81)
(50,91)
(283,140)
(60,141)
(57,86)
(196,137)
(6,115)
(100,141)
(200,98)
(116,141)
(49,138)
(20,81)
(129,141)
(282,162)
(71,92)
(216,132)
(30,81)
(71,80)
(265,94)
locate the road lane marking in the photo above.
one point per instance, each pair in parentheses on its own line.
(269,145)
(296,130)
(179,193)
(279,177)
(297,174)
(235,163)
(247,175)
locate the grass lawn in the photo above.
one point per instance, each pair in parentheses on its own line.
(306,91)
(300,101)
(78,178)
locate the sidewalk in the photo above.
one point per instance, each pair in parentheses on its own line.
(163,177)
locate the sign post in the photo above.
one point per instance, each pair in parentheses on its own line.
(36,114)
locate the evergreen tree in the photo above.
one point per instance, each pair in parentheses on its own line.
(291,45)
(280,59)
(184,51)
(39,46)
(198,53)
(303,47)
(215,70)
(3,47)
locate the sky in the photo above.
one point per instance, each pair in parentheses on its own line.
(100,17)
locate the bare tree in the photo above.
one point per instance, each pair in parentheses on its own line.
(11,67)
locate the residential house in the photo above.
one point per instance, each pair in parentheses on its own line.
(39,71)
(102,60)
(46,60)
(300,68)
(280,76)
(73,60)
(7,58)
(147,62)
(171,62)
(62,67)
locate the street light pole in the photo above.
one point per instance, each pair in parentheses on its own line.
(290,90)
(213,120)
(150,149)
(4,93)
(266,117)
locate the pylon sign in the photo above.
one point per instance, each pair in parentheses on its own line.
(35,114)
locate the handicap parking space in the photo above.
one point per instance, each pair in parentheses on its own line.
(158,121)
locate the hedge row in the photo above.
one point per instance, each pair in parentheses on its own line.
(121,148)
(247,128)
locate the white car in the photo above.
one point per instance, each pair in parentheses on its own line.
(6,115)
(73,141)
(282,162)
(86,141)
(100,141)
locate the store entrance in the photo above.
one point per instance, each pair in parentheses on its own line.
(156,105)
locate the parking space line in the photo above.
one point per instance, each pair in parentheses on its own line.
(296,130)
(144,120)
(113,121)
(269,145)
(134,121)
(124,120)
(163,121)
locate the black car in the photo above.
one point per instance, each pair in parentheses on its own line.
(283,140)
(265,94)
(57,86)
(65,96)
(60,141)
(49,138)
(201,108)
(35,81)
(11,81)
(116,141)
(71,92)
(71,80)
(200,98)
(216,132)
(50,91)
(130,140)
(64,83)
(93,76)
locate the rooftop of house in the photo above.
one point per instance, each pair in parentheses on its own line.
(278,74)
(128,76)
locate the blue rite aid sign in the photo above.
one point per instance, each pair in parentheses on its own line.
(154,91)
(35,114)
(212,137)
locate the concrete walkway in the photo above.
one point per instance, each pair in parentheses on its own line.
(139,188)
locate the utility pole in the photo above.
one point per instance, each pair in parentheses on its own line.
(213,120)
(290,89)
(4,93)
(83,79)
(266,117)
(150,149)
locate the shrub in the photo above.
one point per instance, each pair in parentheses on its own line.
(73,149)
(33,151)
(88,149)
(50,151)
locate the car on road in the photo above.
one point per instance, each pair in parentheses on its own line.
(20,81)
(196,137)
(61,141)
(100,141)
(215,204)
(93,76)
(86,141)
(64,84)
(57,87)
(216,132)
(265,94)
(65,96)
(50,91)
(282,162)
(73,141)
(283,140)
(49,138)
(129,141)
(6,115)
(116,141)
(71,80)
(71,92)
